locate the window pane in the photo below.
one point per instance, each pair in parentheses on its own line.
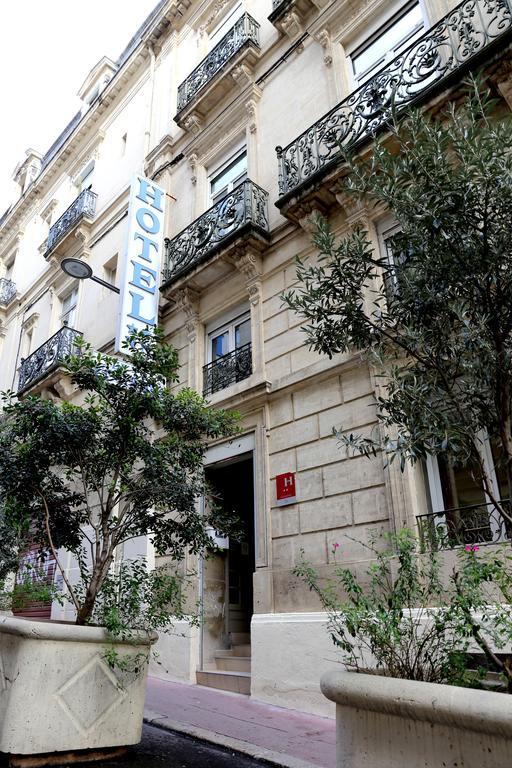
(235,171)
(388,42)
(220,345)
(458,486)
(243,333)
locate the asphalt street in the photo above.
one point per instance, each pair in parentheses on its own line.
(160,748)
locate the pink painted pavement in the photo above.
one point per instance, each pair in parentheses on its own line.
(285,731)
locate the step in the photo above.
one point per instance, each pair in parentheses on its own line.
(233,663)
(240,638)
(241,650)
(235,682)
(237,650)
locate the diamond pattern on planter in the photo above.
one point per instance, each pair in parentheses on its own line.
(90,695)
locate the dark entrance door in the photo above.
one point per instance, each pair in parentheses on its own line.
(233,485)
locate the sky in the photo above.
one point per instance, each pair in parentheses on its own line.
(46,51)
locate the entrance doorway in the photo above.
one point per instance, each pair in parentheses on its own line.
(228,581)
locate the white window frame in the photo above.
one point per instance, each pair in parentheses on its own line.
(436,491)
(226,323)
(72,310)
(219,169)
(362,46)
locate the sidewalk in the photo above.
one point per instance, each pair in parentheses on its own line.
(280,736)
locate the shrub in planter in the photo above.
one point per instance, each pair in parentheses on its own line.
(126,462)
(404,621)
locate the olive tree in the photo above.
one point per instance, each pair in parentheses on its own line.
(433,316)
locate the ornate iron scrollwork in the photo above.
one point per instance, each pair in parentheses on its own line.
(450,44)
(84,205)
(228,369)
(246,29)
(7,291)
(477,524)
(246,206)
(47,357)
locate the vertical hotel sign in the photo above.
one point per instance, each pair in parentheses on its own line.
(140,274)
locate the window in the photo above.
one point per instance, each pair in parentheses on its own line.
(230,337)
(229,352)
(110,270)
(461,510)
(84,179)
(387,42)
(228,176)
(27,343)
(393,258)
(225,25)
(68,313)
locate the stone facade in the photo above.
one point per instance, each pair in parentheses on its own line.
(289,63)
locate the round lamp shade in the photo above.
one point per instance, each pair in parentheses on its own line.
(76,268)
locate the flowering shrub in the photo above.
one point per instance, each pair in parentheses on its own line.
(403,620)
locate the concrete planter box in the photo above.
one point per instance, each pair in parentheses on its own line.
(57,694)
(390,723)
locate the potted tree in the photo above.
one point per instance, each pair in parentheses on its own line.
(85,478)
(430,314)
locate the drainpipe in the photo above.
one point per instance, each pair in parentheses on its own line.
(149,119)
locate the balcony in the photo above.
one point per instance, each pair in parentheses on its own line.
(228,369)
(81,210)
(232,60)
(470,32)
(301,8)
(471,525)
(239,218)
(46,359)
(7,291)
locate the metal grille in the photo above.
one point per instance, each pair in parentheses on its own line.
(246,29)
(246,206)
(452,43)
(47,357)
(84,205)
(7,291)
(228,369)
(477,524)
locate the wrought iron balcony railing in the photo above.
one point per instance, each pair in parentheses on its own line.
(245,208)
(84,205)
(245,30)
(228,369)
(47,357)
(451,45)
(7,291)
(477,524)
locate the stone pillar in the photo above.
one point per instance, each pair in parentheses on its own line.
(249,264)
(188,301)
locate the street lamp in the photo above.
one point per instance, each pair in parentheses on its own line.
(82,271)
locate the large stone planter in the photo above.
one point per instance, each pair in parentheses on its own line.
(57,694)
(388,723)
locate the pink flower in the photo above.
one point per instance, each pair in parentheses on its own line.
(335,546)
(471,548)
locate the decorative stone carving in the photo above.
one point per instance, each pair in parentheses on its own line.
(252,112)
(242,75)
(193,123)
(193,161)
(188,301)
(217,8)
(291,25)
(324,38)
